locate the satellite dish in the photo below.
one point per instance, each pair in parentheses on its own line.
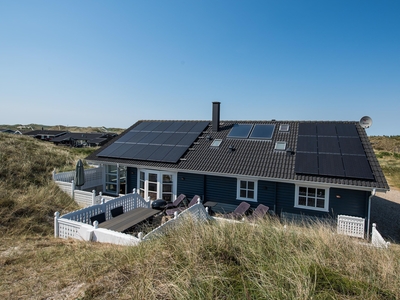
(365,122)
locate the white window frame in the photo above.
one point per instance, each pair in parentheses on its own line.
(326,198)
(159,182)
(238,189)
(117,181)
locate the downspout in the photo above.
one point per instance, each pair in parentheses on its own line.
(369,210)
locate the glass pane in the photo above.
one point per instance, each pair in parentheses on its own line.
(167,178)
(167,188)
(142,184)
(302,191)
(141,175)
(311,192)
(250,194)
(250,185)
(153,196)
(152,177)
(243,184)
(111,168)
(111,188)
(153,187)
(111,178)
(320,203)
(311,202)
(302,201)
(167,197)
(243,194)
(321,193)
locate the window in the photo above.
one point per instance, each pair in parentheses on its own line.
(247,190)
(157,185)
(216,143)
(284,127)
(280,145)
(115,179)
(312,198)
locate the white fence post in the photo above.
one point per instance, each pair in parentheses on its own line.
(72,189)
(93,197)
(56,216)
(54,174)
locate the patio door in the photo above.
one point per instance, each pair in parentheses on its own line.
(156,185)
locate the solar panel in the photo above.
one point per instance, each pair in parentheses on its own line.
(262,131)
(328,145)
(346,129)
(307,144)
(163,141)
(327,129)
(351,145)
(110,149)
(175,154)
(240,131)
(306,163)
(160,153)
(330,165)
(357,167)
(307,129)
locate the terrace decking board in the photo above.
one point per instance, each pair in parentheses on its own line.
(129,219)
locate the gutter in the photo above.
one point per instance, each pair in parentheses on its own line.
(373,192)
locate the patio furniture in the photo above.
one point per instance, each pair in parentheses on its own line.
(177,201)
(210,205)
(258,213)
(239,211)
(159,204)
(100,218)
(115,212)
(171,212)
(129,219)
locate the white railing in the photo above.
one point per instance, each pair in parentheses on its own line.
(377,240)
(76,224)
(93,177)
(352,226)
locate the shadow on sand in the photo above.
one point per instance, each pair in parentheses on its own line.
(386,215)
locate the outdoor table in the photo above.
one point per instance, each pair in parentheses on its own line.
(210,205)
(129,219)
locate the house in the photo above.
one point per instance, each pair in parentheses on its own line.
(45,135)
(10,131)
(312,168)
(78,139)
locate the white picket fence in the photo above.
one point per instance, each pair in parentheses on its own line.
(376,238)
(352,226)
(93,177)
(77,224)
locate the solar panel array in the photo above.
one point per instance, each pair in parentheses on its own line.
(163,141)
(251,131)
(331,149)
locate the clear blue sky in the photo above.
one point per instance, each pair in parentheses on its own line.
(111,63)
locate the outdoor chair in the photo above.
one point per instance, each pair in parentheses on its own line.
(117,211)
(258,213)
(177,201)
(100,218)
(239,211)
(171,212)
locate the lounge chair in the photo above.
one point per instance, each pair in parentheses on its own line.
(177,201)
(171,212)
(239,211)
(100,218)
(117,211)
(258,213)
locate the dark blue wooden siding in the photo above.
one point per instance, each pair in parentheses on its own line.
(131,179)
(221,189)
(267,193)
(190,185)
(351,202)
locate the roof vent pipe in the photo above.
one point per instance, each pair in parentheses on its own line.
(215,116)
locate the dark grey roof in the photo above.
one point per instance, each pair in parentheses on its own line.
(44,132)
(256,158)
(79,136)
